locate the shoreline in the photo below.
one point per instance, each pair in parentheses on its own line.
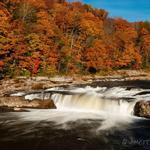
(43,82)
(29,85)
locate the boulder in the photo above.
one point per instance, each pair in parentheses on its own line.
(20,102)
(142,109)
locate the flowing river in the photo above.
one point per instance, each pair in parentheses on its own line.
(99,116)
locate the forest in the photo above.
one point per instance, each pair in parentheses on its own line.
(49,37)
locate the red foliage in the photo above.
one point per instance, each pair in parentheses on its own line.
(36,65)
(56,35)
(1,64)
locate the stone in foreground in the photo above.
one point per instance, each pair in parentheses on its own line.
(142,109)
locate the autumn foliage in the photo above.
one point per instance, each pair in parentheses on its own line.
(54,36)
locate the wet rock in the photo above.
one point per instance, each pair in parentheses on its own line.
(142,109)
(11,109)
(42,104)
(5,109)
(20,102)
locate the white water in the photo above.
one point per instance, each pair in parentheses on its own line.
(116,100)
(92,103)
(112,106)
(98,100)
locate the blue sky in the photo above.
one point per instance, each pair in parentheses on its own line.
(132,10)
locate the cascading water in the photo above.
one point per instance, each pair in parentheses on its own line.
(116,100)
(113,106)
(93,103)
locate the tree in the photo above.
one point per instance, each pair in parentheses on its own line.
(144,43)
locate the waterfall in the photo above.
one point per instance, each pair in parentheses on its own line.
(93,103)
(108,107)
(115,100)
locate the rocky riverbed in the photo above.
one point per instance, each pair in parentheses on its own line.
(32,84)
(36,83)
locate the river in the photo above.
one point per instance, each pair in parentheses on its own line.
(99,116)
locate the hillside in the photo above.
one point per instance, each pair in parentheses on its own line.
(46,37)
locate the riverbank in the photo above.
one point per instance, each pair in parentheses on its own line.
(8,86)
(32,84)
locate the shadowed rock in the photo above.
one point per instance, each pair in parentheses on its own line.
(11,109)
(142,109)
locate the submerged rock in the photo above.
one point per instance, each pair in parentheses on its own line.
(142,109)
(20,102)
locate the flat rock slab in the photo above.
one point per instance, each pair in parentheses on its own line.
(20,102)
(61,80)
